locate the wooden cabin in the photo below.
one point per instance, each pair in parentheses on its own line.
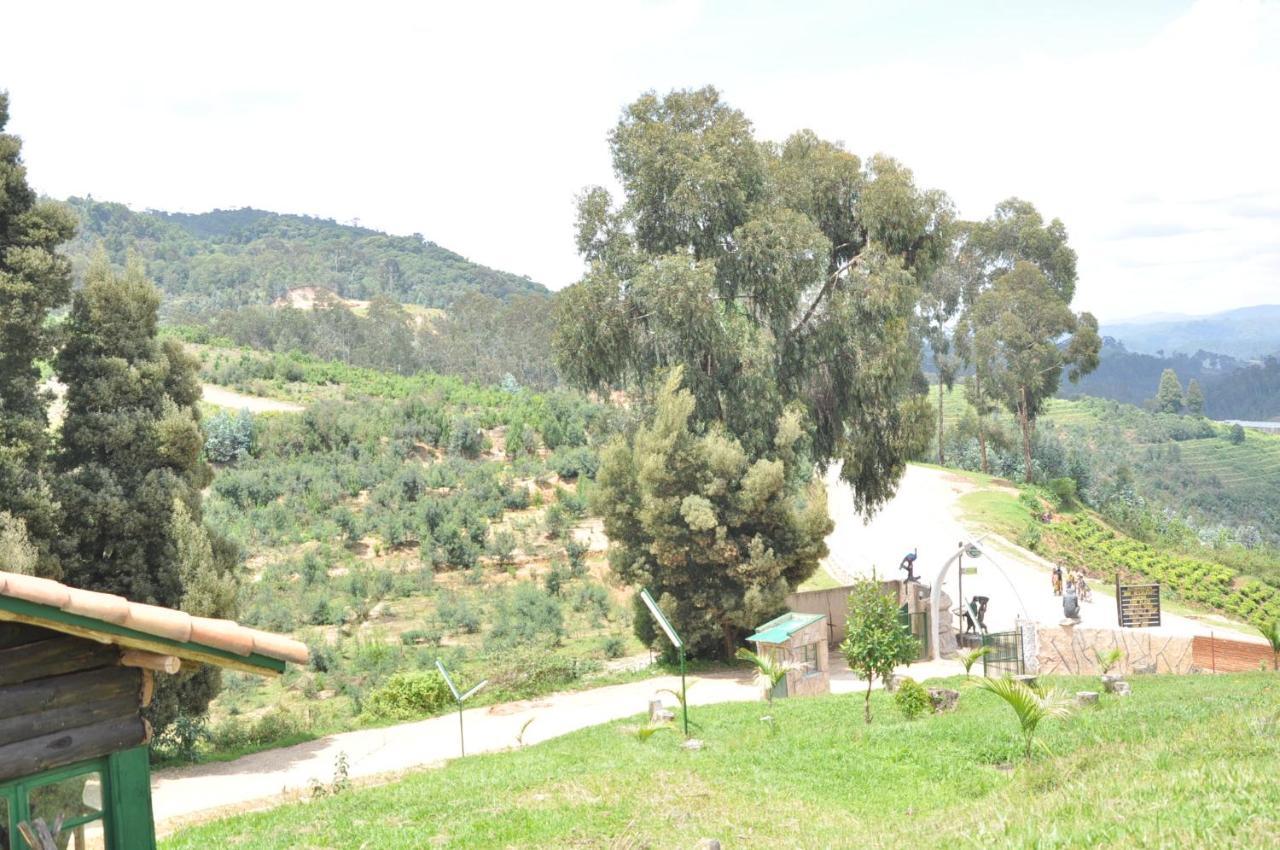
(77,669)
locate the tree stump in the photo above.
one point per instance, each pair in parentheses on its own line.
(1084,698)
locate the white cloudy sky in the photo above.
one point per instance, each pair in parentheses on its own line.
(1151,128)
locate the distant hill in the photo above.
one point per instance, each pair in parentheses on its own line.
(226,259)
(1246,333)
(1233,389)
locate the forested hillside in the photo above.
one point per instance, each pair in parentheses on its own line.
(231,258)
(1233,389)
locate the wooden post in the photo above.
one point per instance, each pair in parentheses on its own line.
(170,664)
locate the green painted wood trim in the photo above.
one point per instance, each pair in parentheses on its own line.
(131,822)
(17,791)
(57,615)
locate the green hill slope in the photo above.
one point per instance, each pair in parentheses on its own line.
(1179,465)
(1184,762)
(229,258)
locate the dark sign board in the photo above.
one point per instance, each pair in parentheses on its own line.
(1137,605)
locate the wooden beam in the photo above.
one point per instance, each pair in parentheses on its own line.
(57,749)
(24,727)
(170,664)
(17,634)
(54,656)
(48,694)
(45,616)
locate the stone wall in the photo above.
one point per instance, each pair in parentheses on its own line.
(1070,650)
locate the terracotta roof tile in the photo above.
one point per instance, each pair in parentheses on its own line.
(226,635)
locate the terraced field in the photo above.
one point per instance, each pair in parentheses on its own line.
(1253,463)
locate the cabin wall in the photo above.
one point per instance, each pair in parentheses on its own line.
(64,700)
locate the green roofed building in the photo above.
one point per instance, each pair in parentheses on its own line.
(801,641)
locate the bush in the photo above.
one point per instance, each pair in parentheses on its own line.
(614,647)
(911,698)
(465,437)
(181,739)
(571,462)
(458,615)
(525,616)
(417,637)
(228,436)
(270,728)
(408,696)
(1064,491)
(526,672)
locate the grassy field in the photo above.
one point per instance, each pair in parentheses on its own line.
(1184,762)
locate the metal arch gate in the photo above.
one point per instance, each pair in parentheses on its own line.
(1004,656)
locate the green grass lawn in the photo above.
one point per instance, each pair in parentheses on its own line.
(1184,762)
(997,510)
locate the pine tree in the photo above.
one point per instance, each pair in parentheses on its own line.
(132,467)
(1195,398)
(1169,395)
(718,537)
(34,280)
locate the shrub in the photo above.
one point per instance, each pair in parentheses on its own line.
(614,647)
(576,551)
(181,739)
(465,437)
(912,699)
(527,615)
(417,637)
(407,696)
(524,672)
(228,436)
(458,615)
(1064,491)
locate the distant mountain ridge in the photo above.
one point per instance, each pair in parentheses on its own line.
(1247,332)
(224,259)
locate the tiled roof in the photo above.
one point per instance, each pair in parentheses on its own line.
(224,635)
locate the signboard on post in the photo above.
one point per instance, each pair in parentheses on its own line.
(666,626)
(661,619)
(1137,605)
(459,698)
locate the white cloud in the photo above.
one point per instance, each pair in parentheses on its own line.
(476,124)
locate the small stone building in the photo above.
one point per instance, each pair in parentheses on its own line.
(801,641)
(76,670)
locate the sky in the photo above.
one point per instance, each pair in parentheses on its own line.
(1150,128)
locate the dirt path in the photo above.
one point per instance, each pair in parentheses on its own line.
(223,397)
(925,515)
(261,780)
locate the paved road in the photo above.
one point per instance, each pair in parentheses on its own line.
(925,515)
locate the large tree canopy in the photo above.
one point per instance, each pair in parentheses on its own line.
(34,279)
(773,274)
(1025,337)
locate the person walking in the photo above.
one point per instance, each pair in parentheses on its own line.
(1056,579)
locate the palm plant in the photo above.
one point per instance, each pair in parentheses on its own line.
(1109,659)
(1271,631)
(968,659)
(1028,704)
(769,671)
